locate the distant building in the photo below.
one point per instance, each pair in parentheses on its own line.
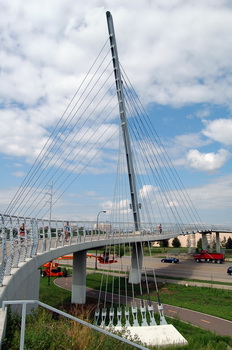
(103,226)
(191,240)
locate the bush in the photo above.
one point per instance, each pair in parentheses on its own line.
(176,242)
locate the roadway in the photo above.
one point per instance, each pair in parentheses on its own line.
(207,322)
(188,269)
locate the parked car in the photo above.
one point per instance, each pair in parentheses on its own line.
(229,270)
(170,260)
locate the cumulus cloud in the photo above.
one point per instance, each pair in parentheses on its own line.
(177,56)
(19,135)
(181,144)
(219,130)
(45,53)
(207,161)
(214,197)
(146,191)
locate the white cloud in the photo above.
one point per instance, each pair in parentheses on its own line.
(181,144)
(178,55)
(146,191)
(207,161)
(219,130)
(214,195)
(46,53)
(18,174)
(203,113)
(19,135)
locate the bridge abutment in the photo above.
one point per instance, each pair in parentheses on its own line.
(79,278)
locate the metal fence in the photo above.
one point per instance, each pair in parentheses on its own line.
(24,304)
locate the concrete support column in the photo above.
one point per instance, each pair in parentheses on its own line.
(136,264)
(211,242)
(189,244)
(204,241)
(193,244)
(218,248)
(79,278)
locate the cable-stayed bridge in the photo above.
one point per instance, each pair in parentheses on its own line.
(149,200)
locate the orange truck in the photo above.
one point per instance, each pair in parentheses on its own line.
(52,269)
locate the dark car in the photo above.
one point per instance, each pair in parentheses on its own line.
(229,270)
(170,260)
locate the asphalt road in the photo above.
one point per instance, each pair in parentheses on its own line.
(184,269)
(211,323)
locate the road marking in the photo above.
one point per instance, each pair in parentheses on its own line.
(205,321)
(172,311)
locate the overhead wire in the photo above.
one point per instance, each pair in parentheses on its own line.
(182,193)
(71,151)
(45,151)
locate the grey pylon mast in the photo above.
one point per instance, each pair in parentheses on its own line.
(124,124)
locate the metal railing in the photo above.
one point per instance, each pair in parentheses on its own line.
(24,304)
(44,235)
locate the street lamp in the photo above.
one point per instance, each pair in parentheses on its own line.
(102,211)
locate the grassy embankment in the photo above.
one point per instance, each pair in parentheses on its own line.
(206,300)
(52,332)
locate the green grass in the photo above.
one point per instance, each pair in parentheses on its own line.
(206,300)
(54,333)
(52,295)
(199,339)
(193,280)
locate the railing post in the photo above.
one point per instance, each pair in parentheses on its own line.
(44,239)
(23,325)
(4,252)
(11,257)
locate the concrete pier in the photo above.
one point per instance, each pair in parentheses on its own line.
(136,264)
(79,278)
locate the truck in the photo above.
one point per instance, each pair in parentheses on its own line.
(205,256)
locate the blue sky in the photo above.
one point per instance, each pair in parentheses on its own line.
(178,57)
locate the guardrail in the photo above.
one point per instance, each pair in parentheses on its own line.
(24,304)
(43,235)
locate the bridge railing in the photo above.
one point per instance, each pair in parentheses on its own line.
(24,304)
(17,243)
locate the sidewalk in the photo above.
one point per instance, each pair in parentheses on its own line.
(208,322)
(197,284)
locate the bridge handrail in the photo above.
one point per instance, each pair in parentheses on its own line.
(24,304)
(45,235)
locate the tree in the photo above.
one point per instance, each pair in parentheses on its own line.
(164,243)
(118,250)
(199,244)
(223,242)
(176,242)
(229,243)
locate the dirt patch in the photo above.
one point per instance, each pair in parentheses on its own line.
(165,290)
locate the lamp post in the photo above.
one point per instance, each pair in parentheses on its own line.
(102,211)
